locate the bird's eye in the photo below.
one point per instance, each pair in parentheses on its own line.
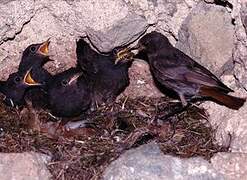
(17,79)
(33,49)
(64,82)
(115,51)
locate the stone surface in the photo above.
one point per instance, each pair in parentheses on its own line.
(125,31)
(213,35)
(64,21)
(148,162)
(108,23)
(167,15)
(141,82)
(230,122)
(23,166)
(232,165)
(13,16)
(240,53)
(225,120)
(207,35)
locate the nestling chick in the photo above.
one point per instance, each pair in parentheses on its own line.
(16,86)
(106,79)
(69,93)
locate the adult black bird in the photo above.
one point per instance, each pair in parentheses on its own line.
(16,88)
(175,71)
(107,80)
(68,93)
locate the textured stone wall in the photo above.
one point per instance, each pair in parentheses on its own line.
(212,32)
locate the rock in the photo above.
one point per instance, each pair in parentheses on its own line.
(108,23)
(209,1)
(240,53)
(170,20)
(213,35)
(148,162)
(125,31)
(229,122)
(19,166)
(207,35)
(232,165)
(13,15)
(243,14)
(64,21)
(167,15)
(141,82)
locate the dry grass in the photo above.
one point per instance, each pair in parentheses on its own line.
(85,153)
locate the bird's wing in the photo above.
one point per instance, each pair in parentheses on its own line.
(203,76)
(86,56)
(180,67)
(88,65)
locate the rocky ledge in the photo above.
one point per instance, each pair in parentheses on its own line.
(213,32)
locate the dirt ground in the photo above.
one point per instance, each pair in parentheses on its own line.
(84,153)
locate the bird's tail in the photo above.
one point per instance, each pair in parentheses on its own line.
(222,98)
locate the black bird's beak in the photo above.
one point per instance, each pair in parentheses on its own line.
(28,80)
(44,48)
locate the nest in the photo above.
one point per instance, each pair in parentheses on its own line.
(113,129)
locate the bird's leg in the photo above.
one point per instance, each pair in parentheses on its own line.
(183,100)
(174,112)
(185,105)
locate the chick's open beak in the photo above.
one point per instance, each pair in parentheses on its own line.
(44,47)
(28,80)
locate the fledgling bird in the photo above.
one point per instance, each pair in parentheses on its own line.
(16,88)
(106,79)
(68,93)
(35,56)
(177,72)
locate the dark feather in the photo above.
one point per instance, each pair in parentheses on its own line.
(107,80)
(177,72)
(16,90)
(222,98)
(69,94)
